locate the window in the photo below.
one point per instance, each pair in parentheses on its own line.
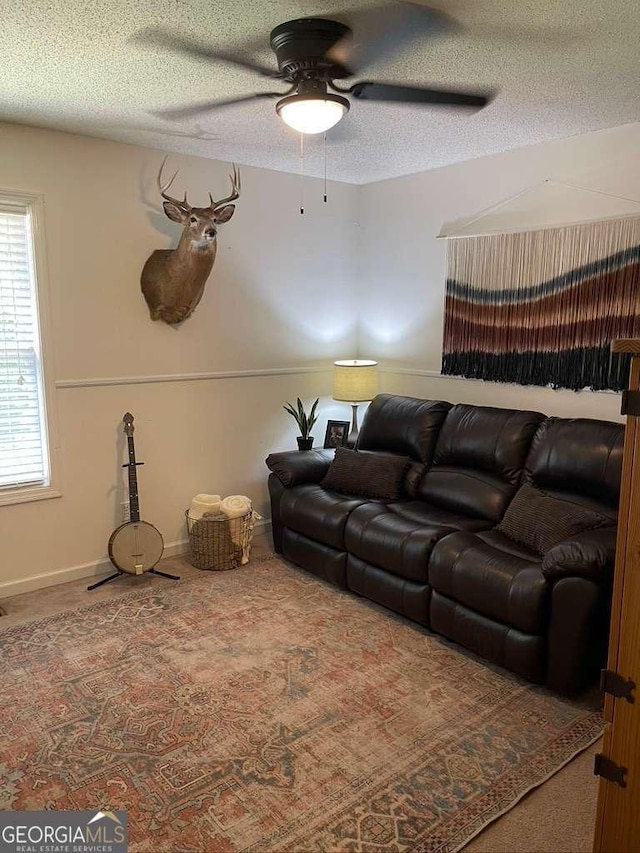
(25,468)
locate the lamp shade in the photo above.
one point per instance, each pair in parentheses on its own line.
(355,381)
(312,113)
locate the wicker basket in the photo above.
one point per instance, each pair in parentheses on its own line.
(216,542)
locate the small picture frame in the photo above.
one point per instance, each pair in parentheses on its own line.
(336,434)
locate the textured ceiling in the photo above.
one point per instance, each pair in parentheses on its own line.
(561,68)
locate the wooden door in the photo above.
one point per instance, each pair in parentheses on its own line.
(618,816)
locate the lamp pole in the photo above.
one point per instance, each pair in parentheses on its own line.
(353,434)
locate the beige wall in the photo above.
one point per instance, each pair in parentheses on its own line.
(279,300)
(402,271)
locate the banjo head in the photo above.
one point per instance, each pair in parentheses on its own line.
(135,547)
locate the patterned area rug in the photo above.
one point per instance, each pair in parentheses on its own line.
(262,710)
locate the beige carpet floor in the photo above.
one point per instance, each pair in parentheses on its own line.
(557,816)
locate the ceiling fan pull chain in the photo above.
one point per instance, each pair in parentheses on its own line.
(302,173)
(324,151)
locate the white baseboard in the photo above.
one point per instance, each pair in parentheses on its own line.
(101,567)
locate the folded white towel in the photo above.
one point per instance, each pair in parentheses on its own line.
(204,503)
(234,506)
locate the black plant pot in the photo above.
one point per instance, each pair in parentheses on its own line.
(304,443)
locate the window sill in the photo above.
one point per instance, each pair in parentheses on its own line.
(26,495)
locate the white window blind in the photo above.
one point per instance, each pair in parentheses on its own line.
(23,440)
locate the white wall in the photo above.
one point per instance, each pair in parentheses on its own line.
(283,302)
(279,299)
(402,265)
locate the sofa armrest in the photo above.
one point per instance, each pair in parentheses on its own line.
(588,555)
(578,633)
(295,467)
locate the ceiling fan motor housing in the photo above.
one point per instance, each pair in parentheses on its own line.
(301,46)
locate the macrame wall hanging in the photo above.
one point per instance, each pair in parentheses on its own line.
(542,307)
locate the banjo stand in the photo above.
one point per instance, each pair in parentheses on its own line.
(120,573)
(136,546)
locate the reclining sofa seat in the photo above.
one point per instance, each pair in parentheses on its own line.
(436,555)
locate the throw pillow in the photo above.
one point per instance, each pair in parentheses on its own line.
(539,520)
(371,475)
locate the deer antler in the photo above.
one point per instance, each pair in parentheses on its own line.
(184,204)
(235,190)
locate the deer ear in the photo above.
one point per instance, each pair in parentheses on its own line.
(174,212)
(225,213)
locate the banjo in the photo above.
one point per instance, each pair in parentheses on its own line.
(136,546)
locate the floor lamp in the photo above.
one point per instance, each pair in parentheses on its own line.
(355,381)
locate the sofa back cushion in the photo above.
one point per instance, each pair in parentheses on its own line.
(478,459)
(580,458)
(403,425)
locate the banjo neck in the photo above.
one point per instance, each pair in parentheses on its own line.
(134,504)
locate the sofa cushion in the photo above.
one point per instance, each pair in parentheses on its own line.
(425,513)
(317,513)
(467,490)
(539,520)
(579,456)
(478,459)
(489,580)
(385,539)
(399,537)
(371,475)
(404,425)
(498,540)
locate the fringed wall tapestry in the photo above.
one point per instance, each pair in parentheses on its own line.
(542,307)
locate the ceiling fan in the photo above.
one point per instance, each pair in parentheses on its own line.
(313,53)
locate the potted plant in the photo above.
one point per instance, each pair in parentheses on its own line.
(305,422)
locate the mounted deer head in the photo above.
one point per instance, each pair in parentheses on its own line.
(173,280)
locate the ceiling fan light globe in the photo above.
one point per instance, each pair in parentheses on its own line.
(312,113)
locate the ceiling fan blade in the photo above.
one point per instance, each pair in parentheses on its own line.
(157,37)
(371,91)
(380,31)
(162,131)
(176,113)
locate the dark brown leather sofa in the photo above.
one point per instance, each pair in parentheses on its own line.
(437,555)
